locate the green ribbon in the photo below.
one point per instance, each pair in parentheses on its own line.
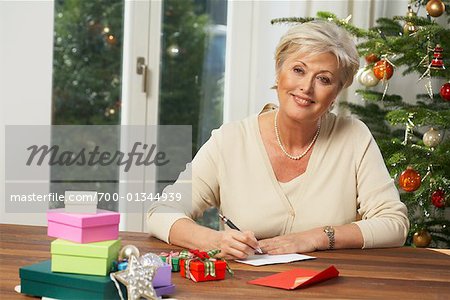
(185,254)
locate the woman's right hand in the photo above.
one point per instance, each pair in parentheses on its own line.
(235,244)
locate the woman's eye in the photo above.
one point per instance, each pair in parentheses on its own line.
(324,79)
(298,70)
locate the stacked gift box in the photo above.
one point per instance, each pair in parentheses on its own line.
(87,243)
(82,258)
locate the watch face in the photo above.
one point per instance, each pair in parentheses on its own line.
(329,229)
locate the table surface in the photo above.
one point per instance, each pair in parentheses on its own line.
(393,273)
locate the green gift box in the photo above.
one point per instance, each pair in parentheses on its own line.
(90,259)
(175,262)
(38,280)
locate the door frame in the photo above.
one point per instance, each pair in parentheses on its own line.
(142,21)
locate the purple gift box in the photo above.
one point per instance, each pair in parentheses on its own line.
(165,290)
(163,276)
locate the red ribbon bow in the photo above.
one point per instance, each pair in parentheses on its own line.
(199,254)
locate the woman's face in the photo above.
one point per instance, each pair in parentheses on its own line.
(307,85)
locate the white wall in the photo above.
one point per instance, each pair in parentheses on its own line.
(26,47)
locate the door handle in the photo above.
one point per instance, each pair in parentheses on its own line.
(141,69)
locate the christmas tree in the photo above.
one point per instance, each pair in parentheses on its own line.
(87,62)
(183,47)
(412,135)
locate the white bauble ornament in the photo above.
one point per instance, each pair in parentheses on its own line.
(358,74)
(127,251)
(432,137)
(368,79)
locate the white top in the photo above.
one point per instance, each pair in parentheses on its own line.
(345,175)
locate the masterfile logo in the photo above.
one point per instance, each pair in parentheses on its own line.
(147,156)
(120,163)
(95,152)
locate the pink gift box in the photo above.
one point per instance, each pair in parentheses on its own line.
(83,228)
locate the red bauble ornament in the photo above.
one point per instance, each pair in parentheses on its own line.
(438,61)
(438,198)
(409,180)
(445,91)
(383,70)
(372,58)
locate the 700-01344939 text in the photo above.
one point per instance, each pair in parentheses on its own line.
(138,197)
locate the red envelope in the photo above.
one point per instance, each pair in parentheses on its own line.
(295,278)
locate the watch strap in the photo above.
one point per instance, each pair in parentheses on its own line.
(329,231)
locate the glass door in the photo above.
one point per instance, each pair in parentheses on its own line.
(192,71)
(87,89)
(193,66)
(125,63)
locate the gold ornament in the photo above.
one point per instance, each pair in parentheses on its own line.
(422,238)
(410,13)
(128,251)
(435,8)
(138,280)
(432,137)
(409,26)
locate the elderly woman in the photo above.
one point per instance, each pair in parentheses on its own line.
(297,178)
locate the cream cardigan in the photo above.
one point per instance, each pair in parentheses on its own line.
(346,175)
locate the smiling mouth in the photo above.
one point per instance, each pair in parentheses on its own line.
(302,100)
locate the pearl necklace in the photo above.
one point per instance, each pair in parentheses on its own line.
(281,144)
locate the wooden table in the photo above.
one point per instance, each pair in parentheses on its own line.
(396,273)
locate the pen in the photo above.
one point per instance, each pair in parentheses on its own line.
(232,226)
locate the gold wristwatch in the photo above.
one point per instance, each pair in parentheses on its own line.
(329,231)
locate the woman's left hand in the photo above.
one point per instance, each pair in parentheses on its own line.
(299,242)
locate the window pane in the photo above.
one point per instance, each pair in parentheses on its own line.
(193,66)
(87,65)
(192,69)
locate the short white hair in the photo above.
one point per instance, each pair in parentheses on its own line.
(318,37)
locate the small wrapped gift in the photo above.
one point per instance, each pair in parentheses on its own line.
(202,266)
(172,258)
